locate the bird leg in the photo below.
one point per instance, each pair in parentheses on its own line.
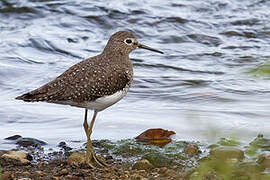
(90,154)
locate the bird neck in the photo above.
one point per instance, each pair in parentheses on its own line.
(115,54)
(112,48)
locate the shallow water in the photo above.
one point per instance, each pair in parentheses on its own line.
(199,88)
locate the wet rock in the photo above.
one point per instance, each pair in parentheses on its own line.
(142,164)
(264,161)
(72,177)
(227,153)
(163,170)
(3,152)
(38,174)
(247,170)
(76,158)
(261,142)
(22,157)
(208,175)
(13,137)
(157,136)
(26,173)
(136,177)
(170,173)
(107,175)
(158,159)
(191,149)
(63,172)
(64,146)
(216,54)
(25,142)
(40,164)
(7,175)
(228,142)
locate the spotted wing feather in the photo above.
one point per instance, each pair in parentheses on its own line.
(85,81)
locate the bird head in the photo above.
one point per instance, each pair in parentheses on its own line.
(124,42)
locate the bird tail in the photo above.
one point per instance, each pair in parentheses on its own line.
(28,97)
(40,94)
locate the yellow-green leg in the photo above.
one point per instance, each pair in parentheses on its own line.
(90,154)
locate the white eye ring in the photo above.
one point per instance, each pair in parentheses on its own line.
(128,41)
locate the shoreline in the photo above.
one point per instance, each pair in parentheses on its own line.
(130,159)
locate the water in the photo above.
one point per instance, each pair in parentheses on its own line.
(199,88)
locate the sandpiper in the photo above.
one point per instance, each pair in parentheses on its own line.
(94,83)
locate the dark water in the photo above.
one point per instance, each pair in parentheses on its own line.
(199,88)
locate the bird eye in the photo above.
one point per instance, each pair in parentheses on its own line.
(128,41)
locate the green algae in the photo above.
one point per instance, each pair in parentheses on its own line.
(167,156)
(226,164)
(227,159)
(261,71)
(228,142)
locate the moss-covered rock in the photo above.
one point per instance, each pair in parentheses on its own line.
(227,153)
(142,164)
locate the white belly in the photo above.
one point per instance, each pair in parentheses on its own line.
(106,101)
(100,103)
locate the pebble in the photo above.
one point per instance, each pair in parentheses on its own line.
(170,173)
(39,174)
(26,173)
(136,177)
(7,175)
(227,153)
(163,170)
(40,164)
(63,172)
(76,158)
(191,149)
(264,161)
(70,177)
(19,156)
(142,164)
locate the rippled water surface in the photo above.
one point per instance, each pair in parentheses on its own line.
(199,88)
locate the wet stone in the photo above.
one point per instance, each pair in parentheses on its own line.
(136,177)
(22,157)
(261,142)
(63,172)
(26,173)
(264,161)
(76,158)
(142,164)
(227,153)
(38,174)
(64,146)
(191,149)
(158,159)
(25,142)
(7,175)
(163,170)
(247,170)
(13,137)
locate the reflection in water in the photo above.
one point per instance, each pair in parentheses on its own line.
(199,88)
